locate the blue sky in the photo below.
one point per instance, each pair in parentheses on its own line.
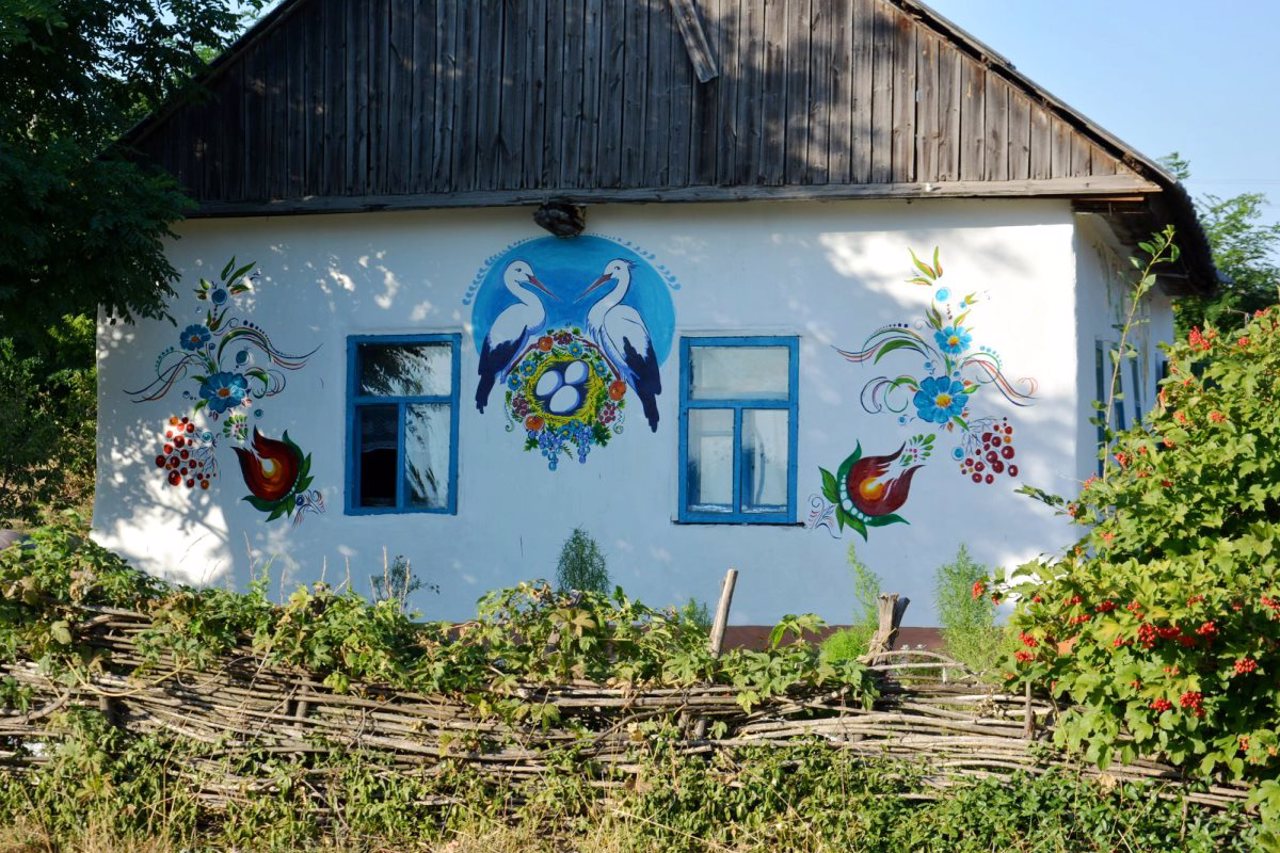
(1190,76)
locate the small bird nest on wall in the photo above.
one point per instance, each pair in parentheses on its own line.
(561,218)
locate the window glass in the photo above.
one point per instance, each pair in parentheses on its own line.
(418,370)
(377,427)
(744,372)
(764,459)
(710,465)
(426,454)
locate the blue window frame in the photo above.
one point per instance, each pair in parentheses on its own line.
(402,423)
(739,408)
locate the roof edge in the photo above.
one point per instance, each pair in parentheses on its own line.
(1180,212)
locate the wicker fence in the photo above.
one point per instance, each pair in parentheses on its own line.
(930,711)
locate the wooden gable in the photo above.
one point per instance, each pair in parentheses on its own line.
(345,105)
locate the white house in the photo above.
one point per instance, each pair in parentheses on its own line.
(846,278)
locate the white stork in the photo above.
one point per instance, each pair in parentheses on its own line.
(621,334)
(512,329)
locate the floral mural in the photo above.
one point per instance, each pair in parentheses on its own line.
(571,332)
(226,367)
(939,394)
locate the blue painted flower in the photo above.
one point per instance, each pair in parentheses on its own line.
(953,340)
(527,367)
(940,399)
(222,391)
(513,381)
(575,349)
(219,296)
(194,337)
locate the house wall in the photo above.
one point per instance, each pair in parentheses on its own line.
(831,274)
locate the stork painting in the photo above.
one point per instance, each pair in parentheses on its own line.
(512,329)
(621,334)
(570,368)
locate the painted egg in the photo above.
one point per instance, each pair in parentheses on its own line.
(564,401)
(575,373)
(548,383)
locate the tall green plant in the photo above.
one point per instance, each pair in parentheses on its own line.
(582,565)
(966,617)
(853,642)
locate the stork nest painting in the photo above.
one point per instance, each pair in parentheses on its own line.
(573,330)
(566,396)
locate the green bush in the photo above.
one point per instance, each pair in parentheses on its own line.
(853,642)
(582,565)
(105,789)
(1161,625)
(967,621)
(47,436)
(528,633)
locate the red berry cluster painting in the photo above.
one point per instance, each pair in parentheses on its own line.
(993,457)
(187,455)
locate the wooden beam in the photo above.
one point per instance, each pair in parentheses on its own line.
(1107,185)
(695,40)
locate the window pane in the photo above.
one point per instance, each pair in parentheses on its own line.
(377,427)
(406,370)
(426,455)
(764,460)
(710,484)
(745,373)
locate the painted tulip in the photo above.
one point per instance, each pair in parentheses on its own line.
(271,470)
(872,491)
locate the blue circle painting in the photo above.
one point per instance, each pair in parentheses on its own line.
(567,268)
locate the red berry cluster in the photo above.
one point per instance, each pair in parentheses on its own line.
(1244,666)
(1161,705)
(180,445)
(995,457)
(1024,656)
(1192,700)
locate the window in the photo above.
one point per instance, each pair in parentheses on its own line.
(402,424)
(1105,369)
(738,412)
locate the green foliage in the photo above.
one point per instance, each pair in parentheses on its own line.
(1244,250)
(1160,625)
(102,785)
(47,440)
(967,620)
(853,642)
(582,566)
(526,635)
(107,62)
(398,581)
(695,612)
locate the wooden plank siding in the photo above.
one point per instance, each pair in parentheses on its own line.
(399,102)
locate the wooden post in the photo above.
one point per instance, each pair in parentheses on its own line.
(890,610)
(716,644)
(1029,724)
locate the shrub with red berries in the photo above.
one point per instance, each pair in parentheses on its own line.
(1160,629)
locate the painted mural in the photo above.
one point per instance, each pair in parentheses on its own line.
(937,395)
(570,331)
(226,367)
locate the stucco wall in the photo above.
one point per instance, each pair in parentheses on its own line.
(831,274)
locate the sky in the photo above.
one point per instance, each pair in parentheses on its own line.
(1192,76)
